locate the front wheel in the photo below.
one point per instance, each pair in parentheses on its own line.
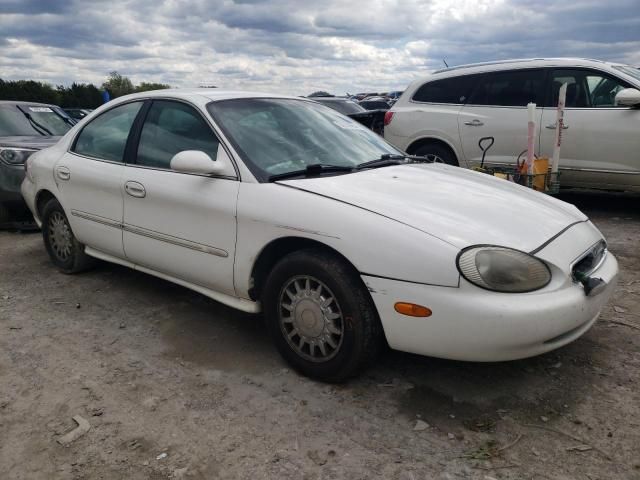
(437,153)
(65,251)
(321,316)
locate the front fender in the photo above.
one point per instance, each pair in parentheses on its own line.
(376,245)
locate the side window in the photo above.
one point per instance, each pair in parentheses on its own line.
(513,88)
(171,127)
(105,137)
(585,88)
(453,90)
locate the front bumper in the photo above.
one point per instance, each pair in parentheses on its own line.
(11,177)
(469,323)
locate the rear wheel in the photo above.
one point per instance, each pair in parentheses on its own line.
(321,316)
(437,153)
(65,251)
(4,213)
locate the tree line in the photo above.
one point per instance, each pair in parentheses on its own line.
(78,95)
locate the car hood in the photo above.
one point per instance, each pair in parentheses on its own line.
(36,142)
(461,207)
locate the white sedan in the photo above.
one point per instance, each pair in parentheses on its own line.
(281,205)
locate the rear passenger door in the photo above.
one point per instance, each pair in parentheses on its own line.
(498,108)
(601,141)
(89,178)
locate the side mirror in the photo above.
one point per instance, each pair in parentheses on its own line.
(196,161)
(628,97)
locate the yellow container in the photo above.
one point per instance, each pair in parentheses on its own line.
(540,170)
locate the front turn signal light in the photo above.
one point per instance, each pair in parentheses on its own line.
(412,310)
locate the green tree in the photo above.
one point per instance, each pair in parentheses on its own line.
(117,85)
(146,86)
(79,95)
(28,90)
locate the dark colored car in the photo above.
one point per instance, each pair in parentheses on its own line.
(372,119)
(375,103)
(25,128)
(78,113)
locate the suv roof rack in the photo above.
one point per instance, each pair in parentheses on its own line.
(502,62)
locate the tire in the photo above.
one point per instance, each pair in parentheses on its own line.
(4,213)
(438,152)
(65,251)
(346,330)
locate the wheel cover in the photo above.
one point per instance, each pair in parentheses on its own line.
(311,319)
(433,158)
(60,236)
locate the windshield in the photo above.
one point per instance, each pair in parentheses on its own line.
(631,71)
(346,107)
(13,122)
(276,136)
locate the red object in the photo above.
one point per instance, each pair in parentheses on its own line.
(388,116)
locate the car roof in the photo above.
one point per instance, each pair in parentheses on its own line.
(211,94)
(519,63)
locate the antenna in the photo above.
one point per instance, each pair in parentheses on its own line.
(445,63)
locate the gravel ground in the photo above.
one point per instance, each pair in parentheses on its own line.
(175,385)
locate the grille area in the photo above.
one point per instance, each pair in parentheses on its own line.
(589,262)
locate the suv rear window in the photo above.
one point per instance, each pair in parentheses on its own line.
(513,88)
(448,90)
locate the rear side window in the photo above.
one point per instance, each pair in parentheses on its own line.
(515,88)
(449,90)
(172,127)
(105,137)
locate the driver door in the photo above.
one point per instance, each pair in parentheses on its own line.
(600,143)
(180,224)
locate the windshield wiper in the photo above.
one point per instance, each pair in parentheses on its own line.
(313,170)
(34,123)
(389,159)
(384,160)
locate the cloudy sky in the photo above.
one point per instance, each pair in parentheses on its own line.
(297,47)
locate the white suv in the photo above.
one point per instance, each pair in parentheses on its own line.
(446,114)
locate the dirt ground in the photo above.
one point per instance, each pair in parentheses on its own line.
(175,385)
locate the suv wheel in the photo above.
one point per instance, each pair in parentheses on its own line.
(437,153)
(321,316)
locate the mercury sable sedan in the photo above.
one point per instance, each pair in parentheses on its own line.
(281,205)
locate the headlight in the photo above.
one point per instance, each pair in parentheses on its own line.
(15,156)
(503,269)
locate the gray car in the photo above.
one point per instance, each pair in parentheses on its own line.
(25,127)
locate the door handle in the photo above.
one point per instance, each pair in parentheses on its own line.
(552,126)
(63,173)
(474,123)
(135,189)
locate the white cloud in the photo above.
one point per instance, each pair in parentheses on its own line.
(293,47)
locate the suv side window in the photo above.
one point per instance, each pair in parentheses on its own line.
(453,90)
(586,88)
(172,127)
(512,88)
(105,137)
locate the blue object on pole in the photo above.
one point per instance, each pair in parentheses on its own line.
(105,96)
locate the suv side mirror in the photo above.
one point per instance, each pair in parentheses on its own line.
(196,161)
(628,97)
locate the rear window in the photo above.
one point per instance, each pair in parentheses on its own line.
(346,107)
(453,90)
